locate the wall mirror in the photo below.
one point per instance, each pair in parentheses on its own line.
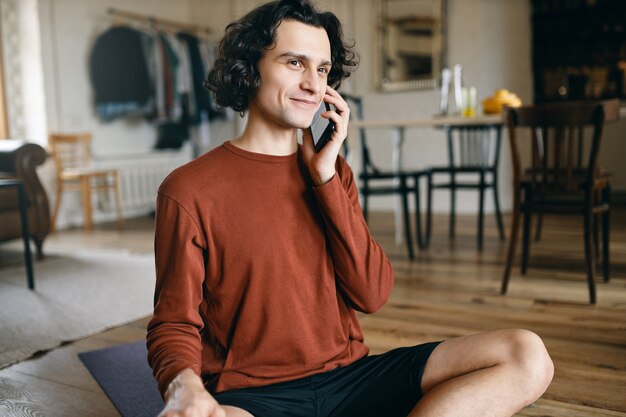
(410,44)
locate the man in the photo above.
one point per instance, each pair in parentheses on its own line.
(263,257)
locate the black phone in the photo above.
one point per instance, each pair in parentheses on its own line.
(321,128)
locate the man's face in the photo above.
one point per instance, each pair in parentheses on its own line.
(294,76)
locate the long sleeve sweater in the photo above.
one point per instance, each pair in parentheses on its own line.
(259,273)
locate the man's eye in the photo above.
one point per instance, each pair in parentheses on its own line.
(323,70)
(295,63)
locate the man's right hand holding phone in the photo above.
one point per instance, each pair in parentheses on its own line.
(322,164)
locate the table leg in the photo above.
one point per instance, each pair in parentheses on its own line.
(396,163)
(86,189)
(26,236)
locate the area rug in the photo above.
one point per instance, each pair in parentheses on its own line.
(76,295)
(123,373)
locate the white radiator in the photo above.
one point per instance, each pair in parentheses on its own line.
(140,177)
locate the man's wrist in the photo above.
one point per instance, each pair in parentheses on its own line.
(186,378)
(321,179)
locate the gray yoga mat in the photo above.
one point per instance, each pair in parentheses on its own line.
(124,375)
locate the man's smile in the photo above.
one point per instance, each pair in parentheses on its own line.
(305,102)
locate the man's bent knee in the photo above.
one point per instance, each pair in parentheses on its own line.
(235,411)
(528,354)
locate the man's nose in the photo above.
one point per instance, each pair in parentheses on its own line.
(311,81)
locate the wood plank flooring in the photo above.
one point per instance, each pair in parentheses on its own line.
(451,289)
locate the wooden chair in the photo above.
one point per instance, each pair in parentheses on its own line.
(401,183)
(75,172)
(556,180)
(473,151)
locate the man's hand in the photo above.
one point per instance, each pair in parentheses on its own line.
(322,165)
(186,396)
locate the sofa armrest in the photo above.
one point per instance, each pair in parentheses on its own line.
(21,159)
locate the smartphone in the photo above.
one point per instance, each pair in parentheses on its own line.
(321,128)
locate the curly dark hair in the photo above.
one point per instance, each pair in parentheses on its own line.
(235,77)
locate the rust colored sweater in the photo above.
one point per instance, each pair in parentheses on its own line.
(259,273)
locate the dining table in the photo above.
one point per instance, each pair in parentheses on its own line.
(398,129)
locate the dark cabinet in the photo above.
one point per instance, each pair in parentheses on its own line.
(579,49)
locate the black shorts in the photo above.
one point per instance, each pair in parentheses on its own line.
(386,385)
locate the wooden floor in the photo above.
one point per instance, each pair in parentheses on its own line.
(449,290)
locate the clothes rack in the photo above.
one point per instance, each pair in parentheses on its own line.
(159,21)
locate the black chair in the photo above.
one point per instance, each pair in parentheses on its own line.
(375,182)
(473,150)
(561,175)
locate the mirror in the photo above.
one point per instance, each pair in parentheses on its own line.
(410,46)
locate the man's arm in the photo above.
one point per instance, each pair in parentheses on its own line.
(173,339)
(363,271)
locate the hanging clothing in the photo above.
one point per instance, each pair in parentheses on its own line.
(159,77)
(207,52)
(159,81)
(184,83)
(172,95)
(119,74)
(198,72)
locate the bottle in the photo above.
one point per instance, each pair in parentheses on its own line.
(445,91)
(458,89)
(469,102)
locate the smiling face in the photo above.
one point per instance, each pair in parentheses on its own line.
(293,76)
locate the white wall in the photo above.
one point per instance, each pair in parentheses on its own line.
(68,32)
(69,29)
(490,38)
